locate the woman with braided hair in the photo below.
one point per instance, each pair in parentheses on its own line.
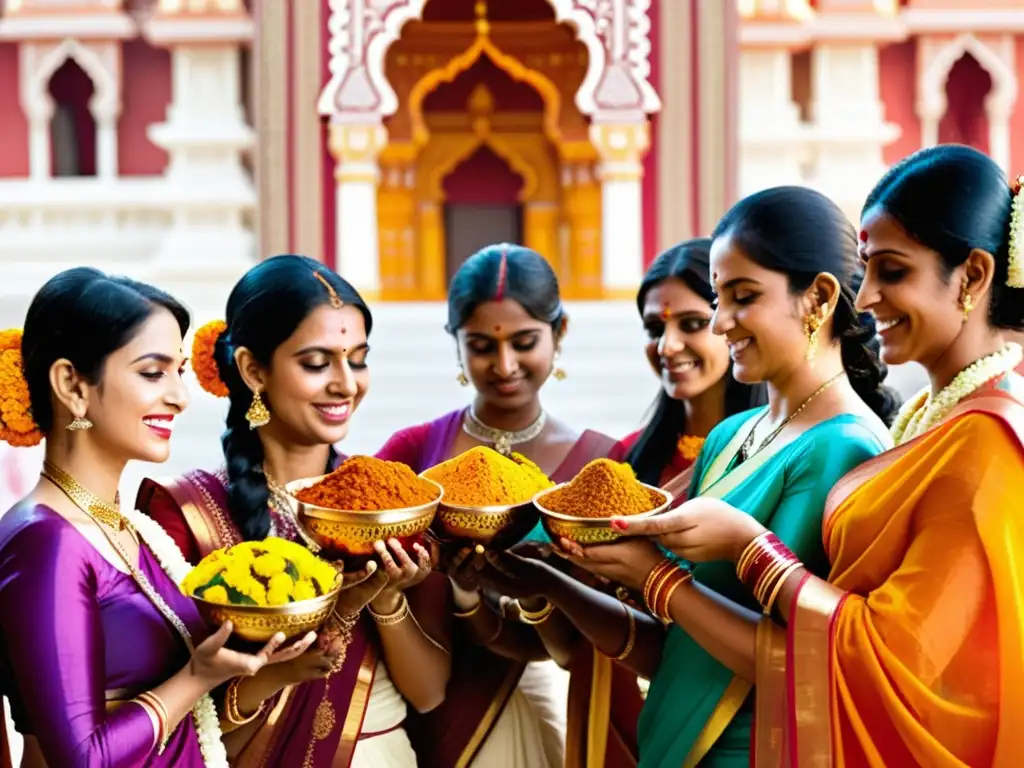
(292,360)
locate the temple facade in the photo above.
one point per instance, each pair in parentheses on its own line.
(179,140)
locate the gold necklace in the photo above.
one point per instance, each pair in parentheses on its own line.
(502,440)
(279,501)
(745,449)
(100,511)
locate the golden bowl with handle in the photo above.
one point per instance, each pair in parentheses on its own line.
(591,530)
(259,623)
(351,533)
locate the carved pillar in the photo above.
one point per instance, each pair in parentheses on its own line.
(621,147)
(396,216)
(431,251)
(540,230)
(355,147)
(581,193)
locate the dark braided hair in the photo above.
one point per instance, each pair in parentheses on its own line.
(264,309)
(801,233)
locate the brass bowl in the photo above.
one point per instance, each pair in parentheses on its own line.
(259,623)
(496,527)
(590,530)
(351,533)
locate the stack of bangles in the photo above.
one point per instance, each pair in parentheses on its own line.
(158,713)
(764,566)
(231,711)
(400,614)
(661,583)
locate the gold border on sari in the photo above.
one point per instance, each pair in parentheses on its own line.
(356,709)
(599,714)
(769,738)
(725,710)
(257,750)
(490,717)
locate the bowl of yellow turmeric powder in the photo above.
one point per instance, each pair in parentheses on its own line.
(488,498)
(582,509)
(363,501)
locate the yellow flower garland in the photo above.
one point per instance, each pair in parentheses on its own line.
(17,427)
(270,572)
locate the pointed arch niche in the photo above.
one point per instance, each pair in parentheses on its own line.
(483,104)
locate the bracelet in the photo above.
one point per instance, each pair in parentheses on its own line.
(764,555)
(154,720)
(630,636)
(154,702)
(471,612)
(664,599)
(653,581)
(532,618)
(746,558)
(232,712)
(778,586)
(397,617)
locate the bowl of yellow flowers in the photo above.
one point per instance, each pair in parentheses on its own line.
(264,587)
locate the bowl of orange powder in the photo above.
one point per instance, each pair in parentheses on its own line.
(488,498)
(362,501)
(582,509)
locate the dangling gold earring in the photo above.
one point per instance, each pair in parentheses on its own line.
(257,415)
(811,326)
(79,422)
(559,372)
(966,300)
(462,378)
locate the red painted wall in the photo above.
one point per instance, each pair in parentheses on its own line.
(897,72)
(505,10)
(146,94)
(71,87)
(1017,119)
(330,192)
(965,121)
(483,178)
(13,125)
(649,189)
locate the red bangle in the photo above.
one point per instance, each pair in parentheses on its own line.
(664,597)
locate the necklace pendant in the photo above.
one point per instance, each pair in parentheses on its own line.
(503,446)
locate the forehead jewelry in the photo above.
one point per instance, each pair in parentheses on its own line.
(666,313)
(336,301)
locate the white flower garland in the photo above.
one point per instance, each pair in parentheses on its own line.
(204,713)
(923,412)
(1015,270)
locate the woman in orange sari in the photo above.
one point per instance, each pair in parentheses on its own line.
(910,653)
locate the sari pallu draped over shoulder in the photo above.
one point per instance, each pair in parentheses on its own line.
(322,718)
(913,654)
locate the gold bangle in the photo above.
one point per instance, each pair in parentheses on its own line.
(532,618)
(778,587)
(749,552)
(160,710)
(653,576)
(399,615)
(630,636)
(666,616)
(652,601)
(231,711)
(471,612)
(154,720)
(768,578)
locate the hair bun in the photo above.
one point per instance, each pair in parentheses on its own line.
(17,427)
(204,362)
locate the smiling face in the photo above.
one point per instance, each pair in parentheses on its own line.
(507,354)
(760,318)
(916,306)
(140,392)
(316,378)
(683,352)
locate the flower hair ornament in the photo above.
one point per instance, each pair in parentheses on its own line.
(1015,270)
(204,364)
(17,427)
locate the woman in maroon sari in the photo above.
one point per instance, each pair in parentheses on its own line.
(103,659)
(292,360)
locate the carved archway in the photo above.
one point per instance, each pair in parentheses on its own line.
(104,102)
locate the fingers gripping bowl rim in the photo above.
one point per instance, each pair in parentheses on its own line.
(591,530)
(352,533)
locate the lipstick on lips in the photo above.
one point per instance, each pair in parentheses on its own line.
(334,413)
(162,424)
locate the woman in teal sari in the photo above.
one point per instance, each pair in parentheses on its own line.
(785,267)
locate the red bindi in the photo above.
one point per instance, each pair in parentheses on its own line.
(344,330)
(863,235)
(666,313)
(497,329)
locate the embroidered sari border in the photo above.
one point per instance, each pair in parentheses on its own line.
(357,708)
(725,710)
(768,743)
(599,714)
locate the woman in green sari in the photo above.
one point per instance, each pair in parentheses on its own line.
(785,268)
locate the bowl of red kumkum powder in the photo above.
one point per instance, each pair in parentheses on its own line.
(364,500)
(582,509)
(488,498)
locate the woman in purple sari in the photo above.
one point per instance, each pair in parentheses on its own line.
(103,659)
(292,358)
(501,710)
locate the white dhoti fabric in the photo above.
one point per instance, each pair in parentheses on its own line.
(383,742)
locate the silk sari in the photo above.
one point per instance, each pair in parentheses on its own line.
(697,711)
(483,682)
(912,653)
(321,720)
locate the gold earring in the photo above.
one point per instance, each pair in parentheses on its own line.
(257,415)
(462,378)
(559,372)
(79,422)
(811,326)
(966,300)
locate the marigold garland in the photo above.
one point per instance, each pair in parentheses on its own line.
(204,365)
(270,572)
(689,446)
(17,427)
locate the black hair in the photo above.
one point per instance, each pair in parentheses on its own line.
(656,445)
(505,271)
(264,309)
(84,316)
(952,199)
(801,233)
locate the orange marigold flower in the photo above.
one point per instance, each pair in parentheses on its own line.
(689,446)
(17,427)
(203,363)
